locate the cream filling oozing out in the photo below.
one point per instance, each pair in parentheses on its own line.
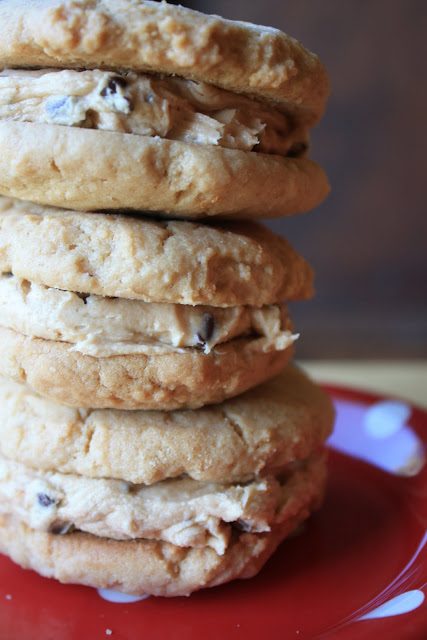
(103,327)
(185,512)
(172,108)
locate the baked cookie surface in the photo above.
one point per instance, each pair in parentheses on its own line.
(171,261)
(69,167)
(282,421)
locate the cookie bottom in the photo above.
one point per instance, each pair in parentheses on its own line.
(69,167)
(165,381)
(147,566)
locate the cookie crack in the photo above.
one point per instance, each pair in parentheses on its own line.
(55,167)
(172,565)
(235,426)
(88,440)
(22,375)
(168,234)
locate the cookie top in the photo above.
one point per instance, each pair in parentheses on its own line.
(155,261)
(254,434)
(157,37)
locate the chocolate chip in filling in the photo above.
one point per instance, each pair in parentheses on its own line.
(206,330)
(83,296)
(148,104)
(44,500)
(242,526)
(113,84)
(61,528)
(114,93)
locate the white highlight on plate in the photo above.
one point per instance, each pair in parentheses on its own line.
(379,435)
(385,418)
(119,598)
(403,603)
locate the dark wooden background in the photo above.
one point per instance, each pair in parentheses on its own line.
(368,241)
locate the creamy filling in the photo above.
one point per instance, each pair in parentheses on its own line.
(182,511)
(148,105)
(103,327)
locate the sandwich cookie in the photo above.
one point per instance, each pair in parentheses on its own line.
(178,112)
(153,566)
(226,485)
(111,311)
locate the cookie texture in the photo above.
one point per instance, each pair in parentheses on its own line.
(257,433)
(162,381)
(150,566)
(152,36)
(171,261)
(86,169)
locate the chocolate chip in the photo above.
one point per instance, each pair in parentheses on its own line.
(83,296)
(45,500)
(206,329)
(242,525)
(61,528)
(297,150)
(114,83)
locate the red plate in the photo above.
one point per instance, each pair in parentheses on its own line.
(358,571)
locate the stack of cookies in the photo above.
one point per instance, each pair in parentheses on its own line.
(154,437)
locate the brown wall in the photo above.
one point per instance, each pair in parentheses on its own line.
(368,242)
